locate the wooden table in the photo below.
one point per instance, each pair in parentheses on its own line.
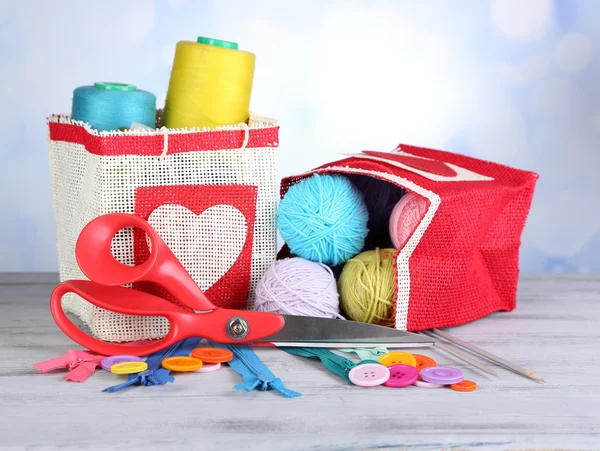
(554,332)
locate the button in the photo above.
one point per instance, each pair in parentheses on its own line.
(128,367)
(421,383)
(465,385)
(444,375)
(396,357)
(213,355)
(369,374)
(182,363)
(209,368)
(108,362)
(423,361)
(402,375)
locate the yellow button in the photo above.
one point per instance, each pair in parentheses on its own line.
(394,358)
(182,363)
(128,367)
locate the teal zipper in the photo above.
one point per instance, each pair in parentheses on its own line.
(335,363)
(366,353)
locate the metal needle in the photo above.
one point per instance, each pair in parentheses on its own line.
(461,356)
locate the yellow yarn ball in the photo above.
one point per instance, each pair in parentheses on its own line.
(210,86)
(367,287)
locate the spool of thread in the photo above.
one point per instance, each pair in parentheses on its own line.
(295,286)
(323,218)
(109,106)
(406,216)
(381,197)
(367,287)
(210,85)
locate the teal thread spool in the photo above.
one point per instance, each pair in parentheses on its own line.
(109,106)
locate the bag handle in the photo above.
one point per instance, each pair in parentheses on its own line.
(165,132)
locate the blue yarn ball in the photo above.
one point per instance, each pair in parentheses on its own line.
(323,218)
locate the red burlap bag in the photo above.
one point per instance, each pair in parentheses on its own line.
(461,262)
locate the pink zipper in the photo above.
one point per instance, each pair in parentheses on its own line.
(81,364)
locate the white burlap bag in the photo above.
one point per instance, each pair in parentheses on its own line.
(211,195)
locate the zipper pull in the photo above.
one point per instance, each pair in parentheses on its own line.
(84,366)
(254,372)
(157,377)
(366,353)
(156,374)
(81,364)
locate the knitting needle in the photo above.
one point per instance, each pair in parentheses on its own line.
(488,355)
(461,356)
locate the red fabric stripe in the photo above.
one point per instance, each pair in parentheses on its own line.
(153,145)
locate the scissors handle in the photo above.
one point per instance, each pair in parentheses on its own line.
(182,324)
(95,258)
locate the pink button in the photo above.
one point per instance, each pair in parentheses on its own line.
(209,368)
(369,374)
(402,376)
(421,383)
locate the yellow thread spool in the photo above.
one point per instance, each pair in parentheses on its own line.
(210,85)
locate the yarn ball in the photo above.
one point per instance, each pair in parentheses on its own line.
(380,197)
(406,216)
(323,218)
(295,286)
(367,287)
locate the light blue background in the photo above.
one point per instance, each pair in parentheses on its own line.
(514,81)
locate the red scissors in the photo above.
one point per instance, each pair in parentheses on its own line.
(105,290)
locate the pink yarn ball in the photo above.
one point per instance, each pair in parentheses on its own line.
(406,216)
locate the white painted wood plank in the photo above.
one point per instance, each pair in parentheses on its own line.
(554,332)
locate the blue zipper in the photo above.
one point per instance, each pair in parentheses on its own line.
(156,374)
(246,362)
(254,372)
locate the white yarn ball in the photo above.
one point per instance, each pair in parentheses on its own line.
(295,286)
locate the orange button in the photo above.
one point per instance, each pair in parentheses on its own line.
(423,361)
(465,385)
(213,355)
(182,363)
(396,357)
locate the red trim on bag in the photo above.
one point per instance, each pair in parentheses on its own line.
(432,166)
(153,145)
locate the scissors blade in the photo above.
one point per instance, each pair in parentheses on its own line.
(305,331)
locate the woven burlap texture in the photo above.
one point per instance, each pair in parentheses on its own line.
(87,183)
